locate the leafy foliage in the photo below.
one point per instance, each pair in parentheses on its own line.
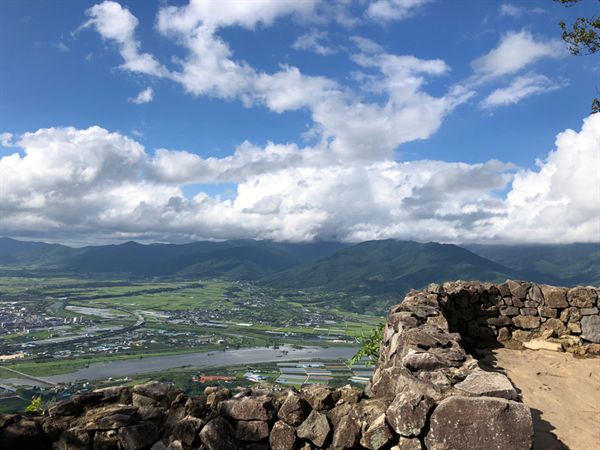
(582,38)
(369,346)
(36,405)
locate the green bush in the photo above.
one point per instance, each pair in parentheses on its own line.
(369,346)
(36,405)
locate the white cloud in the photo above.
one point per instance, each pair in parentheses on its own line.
(314,41)
(248,160)
(213,14)
(286,192)
(560,202)
(113,22)
(145,96)
(520,88)
(353,127)
(388,10)
(6,139)
(93,184)
(516,11)
(516,51)
(61,46)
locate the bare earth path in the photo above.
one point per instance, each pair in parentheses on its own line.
(562,391)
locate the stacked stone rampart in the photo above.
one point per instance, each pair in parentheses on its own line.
(427,391)
(521,311)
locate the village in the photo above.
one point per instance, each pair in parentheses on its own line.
(52,329)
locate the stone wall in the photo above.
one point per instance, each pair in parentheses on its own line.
(521,311)
(427,390)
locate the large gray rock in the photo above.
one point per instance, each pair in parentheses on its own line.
(155,393)
(408,412)
(526,322)
(294,409)
(475,423)
(518,289)
(187,429)
(24,434)
(218,434)
(283,437)
(253,430)
(509,310)
(196,407)
(138,436)
(422,361)
(74,439)
(76,404)
(555,297)
(556,325)
(347,433)
(248,408)
(408,444)
(319,397)
(111,422)
(581,297)
(590,328)
(107,440)
(376,434)
(490,384)
(315,428)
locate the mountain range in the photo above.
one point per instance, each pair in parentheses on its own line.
(383,267)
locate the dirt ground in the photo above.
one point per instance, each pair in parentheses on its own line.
(562,391)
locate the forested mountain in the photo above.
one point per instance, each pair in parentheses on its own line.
(386,267)
(391,267)
(235,259)
(559,264)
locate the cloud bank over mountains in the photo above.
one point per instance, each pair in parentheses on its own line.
(99,185)
(70,183)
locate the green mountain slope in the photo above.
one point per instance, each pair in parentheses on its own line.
(235,259)
(390,267)
(559,264)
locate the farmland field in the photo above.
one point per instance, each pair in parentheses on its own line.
(58,325)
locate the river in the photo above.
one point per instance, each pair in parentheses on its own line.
(136,366)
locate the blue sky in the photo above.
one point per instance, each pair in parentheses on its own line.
(406,98)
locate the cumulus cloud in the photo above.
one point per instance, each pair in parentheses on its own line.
(518,11)
(145,96)
(559,202)
(6,139)
(353,127)
(215,14)
(248,160)
(516,51)
(117,24)
(389,10)
(94,182)
(520,88)
(314,41)
(91,183)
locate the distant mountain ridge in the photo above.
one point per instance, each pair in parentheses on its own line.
(385,267)
(565,265)
(235,259)
(391,267)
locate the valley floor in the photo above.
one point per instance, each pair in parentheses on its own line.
(562,391)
